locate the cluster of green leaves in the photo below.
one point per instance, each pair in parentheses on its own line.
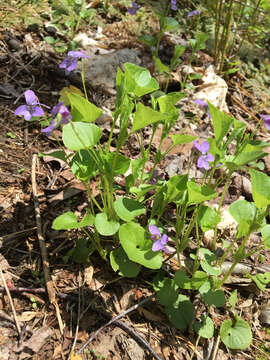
(119,217)
(68,16)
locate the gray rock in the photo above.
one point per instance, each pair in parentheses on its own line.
(100,70)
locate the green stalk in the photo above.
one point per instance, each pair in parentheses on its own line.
(214,245)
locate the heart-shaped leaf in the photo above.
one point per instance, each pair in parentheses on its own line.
(80,135)
(127,209)
(120,262)
(236,335)
(138,246)
(69,221)
(104,226)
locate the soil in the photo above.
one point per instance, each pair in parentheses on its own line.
(87,295)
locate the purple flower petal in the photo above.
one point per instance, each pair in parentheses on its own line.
(192,13)
(203,148)
(202,163)
(154,230)
(164,239)
(21,110)
(201,103)
(173,5)
(49,129)
(77,54)
(133,10)
(37,111)
(209,157)
(266,119)
(157,246)
(30,97)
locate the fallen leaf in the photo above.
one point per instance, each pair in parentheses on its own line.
(27,315)
(88,274)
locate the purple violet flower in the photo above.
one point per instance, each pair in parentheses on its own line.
(70,62)
(266,119)
(204,105)
(206,157)
(173,5)
(135,7)
(193,13)
(159,241)
(31,108)
(61,115)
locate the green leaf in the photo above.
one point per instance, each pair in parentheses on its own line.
(85,135)
(161,68)
(170,24)
(168,293)
(179,139)
(120,262)
(147,40)
(121,163)
(104,226)
(69,220)
(181,314)
(244,213)
(88,111)
(175,188)
(127,209)
(260,188)
(261,280)
(243,210)
(198,194)
(208,218)
(206,258)
(182,280)
(266,236)
(145,116)
(204,328)
(138,80)
(216,298)
(221,122)
(166,102)
(58,154)
(81,252)
(198,279)
(233,299)
(138,246)
(83,165)
(236,335)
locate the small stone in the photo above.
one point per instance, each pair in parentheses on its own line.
(33,28)
(51,29)
(14,45)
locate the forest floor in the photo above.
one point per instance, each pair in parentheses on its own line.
(87,295)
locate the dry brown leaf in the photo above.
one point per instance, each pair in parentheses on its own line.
(27,315)
(37,340)
(57,351)
(88,274)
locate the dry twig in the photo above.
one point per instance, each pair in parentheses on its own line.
(43,249)
(11,303)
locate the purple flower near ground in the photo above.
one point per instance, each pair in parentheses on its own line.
(135,7)
(204,105)
(266,119)
(160,241)
(206,157)
(31,108)
(70,62)
(173,5)
(193,13)
(61,115)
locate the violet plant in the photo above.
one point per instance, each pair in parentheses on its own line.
(120,218)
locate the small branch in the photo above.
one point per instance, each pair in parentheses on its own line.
(11,303)
(115,319)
